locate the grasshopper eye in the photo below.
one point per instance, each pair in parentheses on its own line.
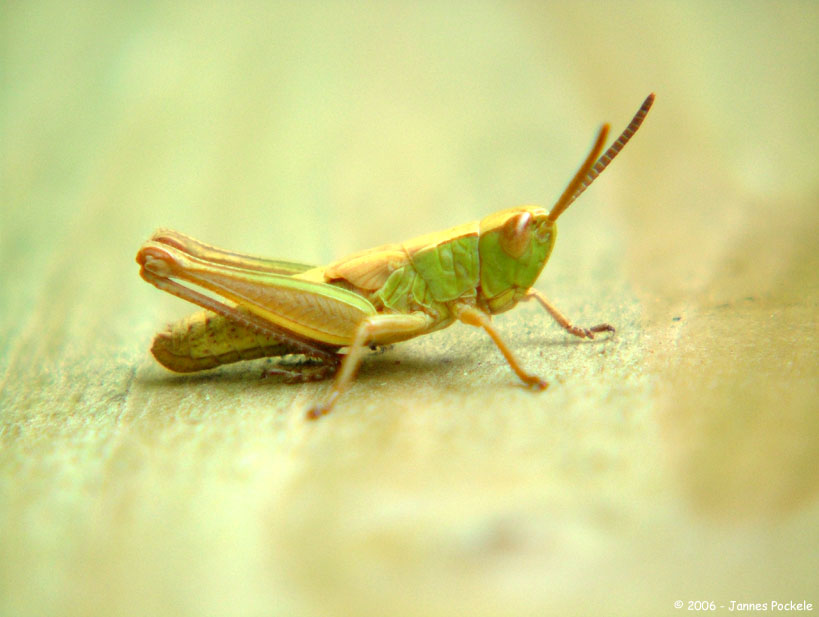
(515,234)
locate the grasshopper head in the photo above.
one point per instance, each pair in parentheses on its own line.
(514,246)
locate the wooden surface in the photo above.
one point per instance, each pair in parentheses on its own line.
(676,460)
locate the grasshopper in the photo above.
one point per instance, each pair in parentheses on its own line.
(375,297)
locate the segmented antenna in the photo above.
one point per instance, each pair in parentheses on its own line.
(585,176)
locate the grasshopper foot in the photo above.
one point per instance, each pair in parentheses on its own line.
(589,332)
(535,383)
(314,413)
(300,374)
(322,409)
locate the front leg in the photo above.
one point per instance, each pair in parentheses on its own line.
(563,321)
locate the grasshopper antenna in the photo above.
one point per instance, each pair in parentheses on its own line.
(593,165)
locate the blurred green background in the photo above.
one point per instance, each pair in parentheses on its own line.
(673,461)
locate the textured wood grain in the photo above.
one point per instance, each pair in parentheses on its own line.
(673,461)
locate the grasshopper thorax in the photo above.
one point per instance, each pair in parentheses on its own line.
(514,246)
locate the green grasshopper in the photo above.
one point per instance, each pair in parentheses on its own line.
(376,297)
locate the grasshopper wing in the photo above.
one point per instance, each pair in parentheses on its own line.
(370,269)
(314,311)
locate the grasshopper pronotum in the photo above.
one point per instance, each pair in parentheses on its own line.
(380,296)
